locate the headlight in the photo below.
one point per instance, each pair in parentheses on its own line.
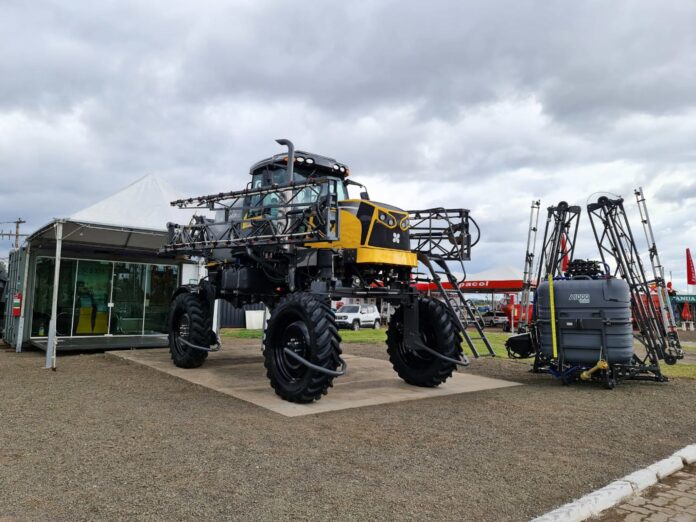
(299,160)
(310,161)
(387,219)
(336,167)
(342,169)
(405,224)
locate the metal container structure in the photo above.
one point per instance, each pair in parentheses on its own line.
(593,320)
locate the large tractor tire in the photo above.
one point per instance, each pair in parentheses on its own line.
(306,325)
(437,331)
(189,319)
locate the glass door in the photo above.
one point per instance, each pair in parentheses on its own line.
(128,299)
(92,292)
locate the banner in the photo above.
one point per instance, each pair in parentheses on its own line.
(690,272)
(683,299)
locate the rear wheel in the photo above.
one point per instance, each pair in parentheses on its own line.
(306,326)
(190,321)
(437,331)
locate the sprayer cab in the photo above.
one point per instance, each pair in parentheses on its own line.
(375,233)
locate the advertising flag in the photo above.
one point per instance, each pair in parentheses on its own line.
(690,272)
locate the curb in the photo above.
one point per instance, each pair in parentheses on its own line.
(609,496)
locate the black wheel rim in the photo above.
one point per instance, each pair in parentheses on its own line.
(295,337)
(415,358)
(182,330)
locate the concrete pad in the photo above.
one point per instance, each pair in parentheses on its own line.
(240,373)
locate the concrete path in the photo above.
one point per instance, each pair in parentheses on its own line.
(674,499)
(239,372)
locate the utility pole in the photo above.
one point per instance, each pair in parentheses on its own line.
(17,223)
(15,234)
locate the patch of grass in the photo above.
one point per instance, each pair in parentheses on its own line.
(368,335)
(689,346)
(364,335)
(240,333)
(684,371)
(497,340)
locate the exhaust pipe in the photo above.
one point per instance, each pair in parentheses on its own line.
(291,157)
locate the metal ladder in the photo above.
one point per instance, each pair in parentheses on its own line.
(616,243)
(525,320)
(657,268)
(462,309)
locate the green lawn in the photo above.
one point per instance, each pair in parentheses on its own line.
(686,371)
(361,336)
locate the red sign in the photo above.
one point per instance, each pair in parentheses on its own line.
(690,272)
(495,286)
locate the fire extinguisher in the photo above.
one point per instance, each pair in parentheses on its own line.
(16,304)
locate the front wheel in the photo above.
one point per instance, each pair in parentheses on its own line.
(376,325)
(356,325)
(437,331)
(305,325)
(190,323)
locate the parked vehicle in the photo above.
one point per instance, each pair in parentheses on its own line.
(358,316)
(495,319)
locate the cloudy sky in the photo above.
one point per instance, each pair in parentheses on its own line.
(484,105)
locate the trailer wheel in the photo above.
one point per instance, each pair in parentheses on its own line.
(437,332)
(307,326)
(190,320)
(609,379)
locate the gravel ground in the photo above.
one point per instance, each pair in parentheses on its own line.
(102,439)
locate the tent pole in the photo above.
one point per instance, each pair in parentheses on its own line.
(51,347)
(20,326)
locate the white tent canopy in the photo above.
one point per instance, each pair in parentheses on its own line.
(144,204)
(131,221)
(133,218)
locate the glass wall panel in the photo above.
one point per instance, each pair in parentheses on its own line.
(162,281)
(43,295)
(128,298)
(92,293)
(140,295)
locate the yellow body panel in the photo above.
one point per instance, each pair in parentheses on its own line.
(386,256)
(350,237)
(349,234)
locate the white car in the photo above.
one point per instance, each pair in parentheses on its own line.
(358,316)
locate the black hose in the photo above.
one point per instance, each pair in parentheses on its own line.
(478,231)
